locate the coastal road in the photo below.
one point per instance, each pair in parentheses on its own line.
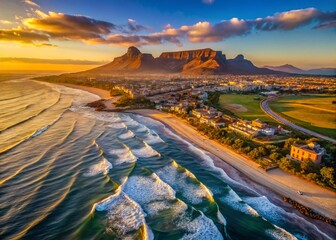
(264,106)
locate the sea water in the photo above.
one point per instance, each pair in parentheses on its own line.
(69,172)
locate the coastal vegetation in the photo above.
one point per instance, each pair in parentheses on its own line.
(269,156)
(314,112)
(134,102)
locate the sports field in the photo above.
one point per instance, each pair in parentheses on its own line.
(244,106)
(314,112)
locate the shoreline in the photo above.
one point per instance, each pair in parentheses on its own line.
(103,94)
(322,200)
(284,184)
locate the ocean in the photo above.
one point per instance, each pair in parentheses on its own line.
(69,172)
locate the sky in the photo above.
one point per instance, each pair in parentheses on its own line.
(73,35)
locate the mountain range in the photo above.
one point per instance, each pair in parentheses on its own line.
(292,69)
(195,62)
(198,62)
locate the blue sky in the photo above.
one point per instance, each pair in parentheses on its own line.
(300,32)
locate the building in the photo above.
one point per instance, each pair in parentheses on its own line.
(312,152)
(259,124)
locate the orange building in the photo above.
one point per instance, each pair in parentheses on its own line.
(312,152)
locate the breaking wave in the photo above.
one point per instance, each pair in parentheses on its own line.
(129,134)
(145,152)
(103,166)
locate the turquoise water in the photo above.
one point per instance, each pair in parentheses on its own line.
(68,172)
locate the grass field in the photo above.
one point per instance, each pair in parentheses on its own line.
(314,112)
(244,106)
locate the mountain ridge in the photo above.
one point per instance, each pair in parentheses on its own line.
(288,68)
(200,61)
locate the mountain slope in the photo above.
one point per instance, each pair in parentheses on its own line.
(292,69)
(132,61)
(201,61)
(285,68)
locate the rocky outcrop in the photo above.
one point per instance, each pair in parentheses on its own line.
(132,61)
(308,211)
(200,61)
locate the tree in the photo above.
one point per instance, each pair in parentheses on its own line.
(328,175)
(238,143)
(290,141)
(254,153)
(275,156)
(308,166)
(262,151)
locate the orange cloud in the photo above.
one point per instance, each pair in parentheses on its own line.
(23,35)
(44,27)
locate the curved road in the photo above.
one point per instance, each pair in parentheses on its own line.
(264,106)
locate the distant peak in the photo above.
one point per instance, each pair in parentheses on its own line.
(240,57)
(133,52)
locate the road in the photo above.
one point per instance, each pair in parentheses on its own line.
(264,106)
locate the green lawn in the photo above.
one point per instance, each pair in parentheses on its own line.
(314,112)
(244,106)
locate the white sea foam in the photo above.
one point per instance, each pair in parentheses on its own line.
(129,134)
(141,129)
(281,234)
(40,131)
(200,228)
(145,189)
(124,215)
(102,116)
(153,138)
(176,209)
(277,214)
(102,167)
(232,199)
(80,96)
(145,152)
(266,209)
(150,121)
(180,181)
(154,195)
(124,155)
(117,125)
(130,122)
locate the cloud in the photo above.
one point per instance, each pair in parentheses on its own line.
(5,22)
(326,25)
(208,1)
(293,19)
(23,35)
(69,27)
(44,27)
(134,27)
(31,3)
(51,61)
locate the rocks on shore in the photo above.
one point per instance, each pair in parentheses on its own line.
(308,211)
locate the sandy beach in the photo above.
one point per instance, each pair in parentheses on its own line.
(315,197)
(104,94)
(282,183)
